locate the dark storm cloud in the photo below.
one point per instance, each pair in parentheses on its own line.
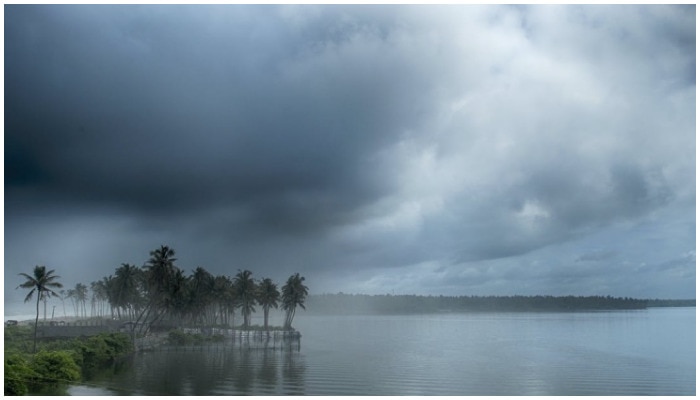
(163,112)
(375,146)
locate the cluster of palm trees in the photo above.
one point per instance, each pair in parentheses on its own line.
(161,292)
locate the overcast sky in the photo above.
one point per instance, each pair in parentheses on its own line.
(456,150)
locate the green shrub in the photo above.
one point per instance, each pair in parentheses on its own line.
(120,343)
(17,375)
(54,367)
(97,351)
(58,361)
(58,344)
(94,352)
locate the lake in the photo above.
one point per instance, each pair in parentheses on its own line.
(645,352)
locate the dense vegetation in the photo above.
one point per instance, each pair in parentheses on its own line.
(404,304)
(671,303)
(160,294)
(57,362)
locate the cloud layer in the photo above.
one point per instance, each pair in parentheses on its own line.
(434,149)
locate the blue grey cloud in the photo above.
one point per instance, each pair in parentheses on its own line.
(372,148)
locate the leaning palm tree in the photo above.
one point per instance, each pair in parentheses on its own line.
(246,291)
(268,296)
(41,283)
(293,294)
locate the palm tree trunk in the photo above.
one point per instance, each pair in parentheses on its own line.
(36,322)
(267,312)
(290,317)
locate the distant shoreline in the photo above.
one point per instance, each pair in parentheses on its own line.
(25,318)
(346,304)
(343,304)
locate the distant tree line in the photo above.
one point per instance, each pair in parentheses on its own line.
(161,294)
(406,304)
(670,303)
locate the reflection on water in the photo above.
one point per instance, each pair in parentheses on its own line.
(205,371)
(293,369)
(649,352)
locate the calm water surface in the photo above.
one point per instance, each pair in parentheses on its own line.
(649,352)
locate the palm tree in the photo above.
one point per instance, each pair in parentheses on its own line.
(106,288)
(268,295)
(164,284)
(110,292)
(81,296)
(100,290)
(94,298)
(70,294)
(41,282)
(293,294)
(246,291)
(226,295)
(201,290)
(177,299)
(160,270)
(124,290)
(62,296)
(45,299)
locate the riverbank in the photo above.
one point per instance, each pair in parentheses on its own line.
(362,304)
(72,353)
(50,365)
